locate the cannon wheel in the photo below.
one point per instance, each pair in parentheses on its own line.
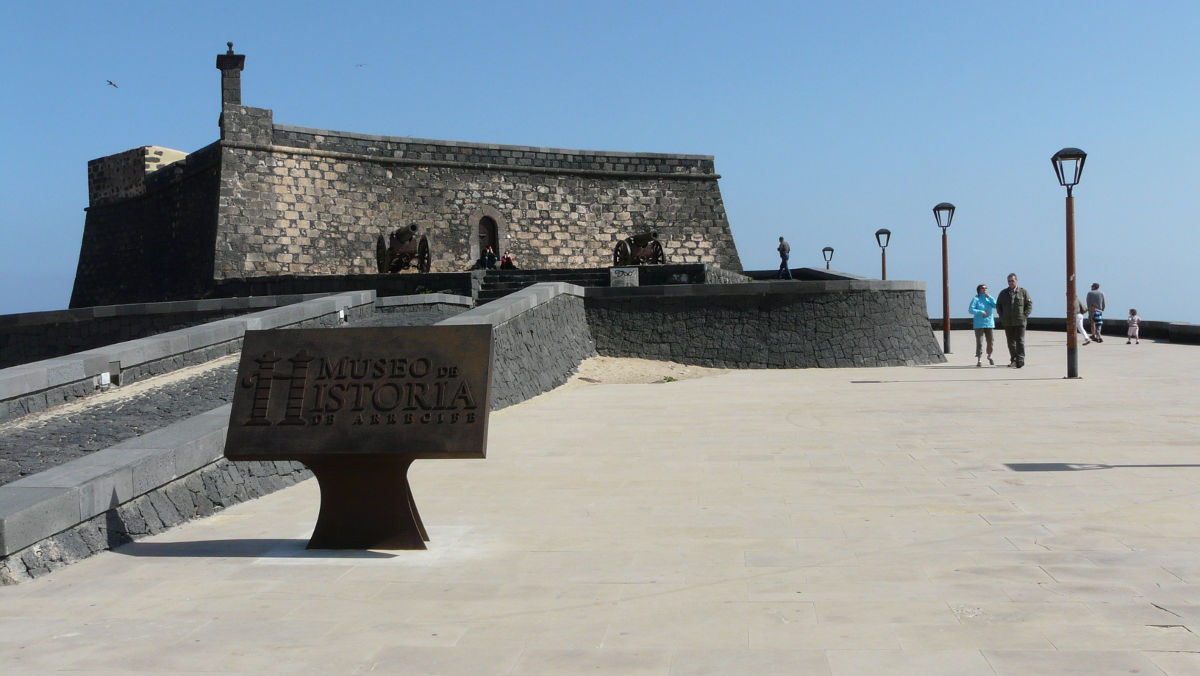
(423,258)
(622,255)
(656,253)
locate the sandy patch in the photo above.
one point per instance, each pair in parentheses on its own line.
(628,370)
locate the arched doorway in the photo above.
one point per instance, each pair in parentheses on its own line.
(488,235)
(486,227)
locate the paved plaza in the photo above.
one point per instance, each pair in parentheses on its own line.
(943,519)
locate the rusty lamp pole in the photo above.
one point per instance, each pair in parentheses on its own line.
(1068,165)
(883,236)
(827,253)
(944,213)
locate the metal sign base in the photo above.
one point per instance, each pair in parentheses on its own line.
(366,503)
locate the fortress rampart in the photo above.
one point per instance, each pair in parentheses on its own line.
(270,199)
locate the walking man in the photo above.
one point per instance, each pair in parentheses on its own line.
(1095,303)
(1014,307)
(784,251)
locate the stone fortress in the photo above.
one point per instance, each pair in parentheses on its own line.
(276,227)
(268,200)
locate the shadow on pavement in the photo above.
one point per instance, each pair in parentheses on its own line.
(950,380)
(1075,466)
(243,548)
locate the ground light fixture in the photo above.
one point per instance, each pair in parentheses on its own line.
(1068,166)
(943,213)
(883,236)
(827,253)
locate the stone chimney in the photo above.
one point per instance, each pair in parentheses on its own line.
(231,76)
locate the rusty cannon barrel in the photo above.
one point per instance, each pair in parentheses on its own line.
(643,240)
(404,235)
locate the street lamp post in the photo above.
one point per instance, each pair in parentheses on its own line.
(883,236)
(1068,165)
(944,213)
(827,253)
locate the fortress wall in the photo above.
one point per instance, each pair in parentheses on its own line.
(314,201)
(767,325)
(154,246)
(539,337)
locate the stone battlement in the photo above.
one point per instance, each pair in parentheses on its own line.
(123,175)
(427,152)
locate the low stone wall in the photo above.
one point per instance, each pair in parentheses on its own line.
(136,488)
(687,273)
(398,284)
(199,494)
(1175,332)
(539,337)
(767,325)
(33,336)
(425,309)
(39,385)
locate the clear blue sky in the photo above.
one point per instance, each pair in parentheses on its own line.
(828,120)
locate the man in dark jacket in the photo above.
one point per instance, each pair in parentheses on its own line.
(1014,306)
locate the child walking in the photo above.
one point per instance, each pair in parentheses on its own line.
(1134,322)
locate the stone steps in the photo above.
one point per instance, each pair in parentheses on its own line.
(500,283)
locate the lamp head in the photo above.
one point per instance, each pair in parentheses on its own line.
(1068,166)
(943,213)
(827,252)
(883,236)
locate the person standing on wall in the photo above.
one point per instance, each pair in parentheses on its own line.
(784,251)
(1095,303)
(983,313)
(1014,307)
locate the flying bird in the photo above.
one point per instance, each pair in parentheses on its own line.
(359,65)
(112,84)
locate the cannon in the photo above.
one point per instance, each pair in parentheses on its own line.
(639,250)
(402,249)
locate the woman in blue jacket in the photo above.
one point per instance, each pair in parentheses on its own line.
(983,310)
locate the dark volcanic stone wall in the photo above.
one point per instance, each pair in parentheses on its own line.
(745,328)
(23,343)
(539,337)
(158,246)
(314,201)
(538,350)
(201,493)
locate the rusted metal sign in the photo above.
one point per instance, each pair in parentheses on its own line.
(357,406)
(417,391)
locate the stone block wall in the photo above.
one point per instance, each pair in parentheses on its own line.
(314,202)
(767,325)
(273,200)
(122,176)
(156,246)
